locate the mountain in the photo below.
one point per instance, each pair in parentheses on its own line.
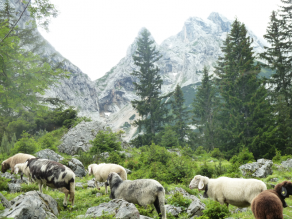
(183,57)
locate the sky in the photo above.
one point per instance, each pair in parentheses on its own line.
(95,34)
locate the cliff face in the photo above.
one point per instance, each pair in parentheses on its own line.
(183,57)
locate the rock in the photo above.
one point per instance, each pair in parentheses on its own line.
(262,168)
(9,176)
(177,151)
(280,167)
(145,217)
(4,201)
(287,163)
(79,184)
(184,193)
(50,155)
(98,194)
(238,210)
(175,211)
(32,204)
(126,154)
(196,208)
(274,180)
(14,187)
(24,180)
(118,207)
(77,167)
(105,155)
(79,136)
(91,184)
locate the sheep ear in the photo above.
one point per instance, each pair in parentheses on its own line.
(201,184)
(284,191)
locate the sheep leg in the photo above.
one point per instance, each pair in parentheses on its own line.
(105,188)
(96,185)
(157,207)
(40,187)
(21,176)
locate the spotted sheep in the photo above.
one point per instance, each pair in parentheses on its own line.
(143,192)
(54,175)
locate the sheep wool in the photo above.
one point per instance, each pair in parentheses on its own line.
(234,191)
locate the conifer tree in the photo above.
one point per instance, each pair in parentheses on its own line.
(180,115)
(151,106)
(204,108)
(245,114)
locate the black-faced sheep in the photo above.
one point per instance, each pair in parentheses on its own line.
(101,172)
(12,161)
(141,191)
(54,175)
(234,191)
(269,204)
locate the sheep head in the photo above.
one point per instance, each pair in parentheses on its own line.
(284,189)
(89,170)
(5,167)
(199,182)
(16,169)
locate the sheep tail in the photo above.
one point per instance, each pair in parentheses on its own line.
(161,200)
(123,175)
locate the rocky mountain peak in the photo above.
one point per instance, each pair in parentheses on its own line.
(221,21)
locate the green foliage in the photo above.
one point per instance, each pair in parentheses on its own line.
(47,142)
(216,153)
(214,210)
(169,138)
(105,141)
(243,157)
(277,157)
(26,145)
(4,184)
(30,187)
(205,170)
(200,151)
(149,211)
(178,200)
(116,158)
(219,170)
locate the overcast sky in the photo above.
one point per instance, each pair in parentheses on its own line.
(95,34)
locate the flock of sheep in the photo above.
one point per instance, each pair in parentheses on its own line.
(265,204)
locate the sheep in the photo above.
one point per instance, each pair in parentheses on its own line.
(140,191)
(12,161)
(269,204)
(234,191)
(54,175)
(23,169)
(101,172)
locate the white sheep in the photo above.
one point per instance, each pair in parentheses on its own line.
(234,191)
(101,172)
(143,192)
(23,169)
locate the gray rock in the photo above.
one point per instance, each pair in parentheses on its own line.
(280,167)
(262,168)
(105,155)
(175,211)
(287,163)
(274,180)
(80,216)
(118,207)
(9,176)
(32,204)
(238,210)
(49,154)
(91,184)
(177,151)
(126,154)
(145,217)
(184,193)
(78,137)
(79,184)
(77,167)
(98,194)
(14,187)
(196,208)
(4,201)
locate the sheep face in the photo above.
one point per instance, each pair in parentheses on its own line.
(286,189)
(5,167)
(199,182)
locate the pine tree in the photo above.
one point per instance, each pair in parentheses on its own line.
(180,115)
(151,106)
(245,113)
(204,108)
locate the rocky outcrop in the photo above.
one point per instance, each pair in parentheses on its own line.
(4,201)
(196,208)
(184,193)
(32,204)
(117,207)
(262,168)
(49,154)
(78,137)
(14,187)
(287,163)
(175,211)
(77,167)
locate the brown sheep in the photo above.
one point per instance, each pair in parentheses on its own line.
(12,161)
(269,204)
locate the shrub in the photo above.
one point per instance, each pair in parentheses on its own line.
(116,158)
(47,142)
(25,145)
(219,170)
(200,151)
(105,141)
(4,184)
(214,210)
(243,157)
(178,200)
(216,153)
(206,170)
(277,157)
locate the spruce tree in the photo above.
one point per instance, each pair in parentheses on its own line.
(151,106)
(245,113)
(204,108)
(180,113)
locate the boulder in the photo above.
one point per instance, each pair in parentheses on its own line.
(175,211)
(262,168)
(196,208)
(105,155)
(274,180)
(4,201)
(77,167)
(32,204)
(287,163)
(79,184)
(117,207)
(9,176)
(79,136)
(175,150)
(14,187)
(49,154)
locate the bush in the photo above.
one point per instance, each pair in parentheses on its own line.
(243,157)
(116,158)
(214,210)
(4,184)
(216,153)
(219,170)
(105,141)
(178,200)
(277,157)
(200,151)
(206,170)
(47,142)
(25,145)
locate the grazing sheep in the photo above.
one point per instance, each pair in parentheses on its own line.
(269,204)
(23,169)
(141,191)
(234,191)
(101,172)
(54,175)
(12,161)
